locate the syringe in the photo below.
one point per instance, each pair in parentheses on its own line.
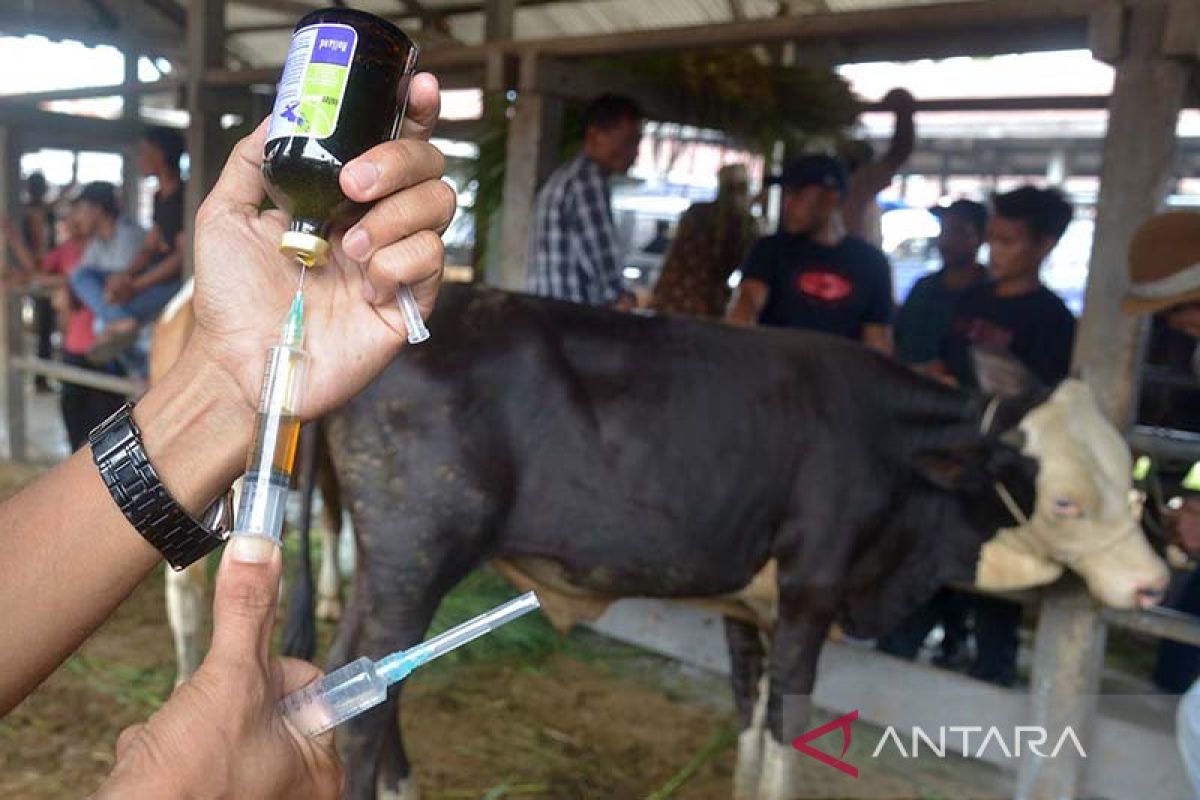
(276,430)
(363,684)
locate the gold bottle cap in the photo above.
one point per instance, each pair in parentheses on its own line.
(312,251)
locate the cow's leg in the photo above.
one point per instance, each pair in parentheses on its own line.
(329,584)
(749,682)
(401,578)
(186,607)
(795,647)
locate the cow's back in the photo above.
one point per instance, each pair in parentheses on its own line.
(609,443)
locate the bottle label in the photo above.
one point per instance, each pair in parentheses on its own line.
(313,82)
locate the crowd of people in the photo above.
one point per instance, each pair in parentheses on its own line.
(823,271)
(98,276)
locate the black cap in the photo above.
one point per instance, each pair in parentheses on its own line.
(812,171)
(974,214)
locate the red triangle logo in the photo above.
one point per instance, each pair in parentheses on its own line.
(841,723)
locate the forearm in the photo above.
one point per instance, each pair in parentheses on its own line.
(747,304)
(166,270)
(904,140)
(69,557)
(879,338)
(143,256)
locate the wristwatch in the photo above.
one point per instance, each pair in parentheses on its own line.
(134,485)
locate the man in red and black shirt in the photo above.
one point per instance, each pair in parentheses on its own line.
(812,275)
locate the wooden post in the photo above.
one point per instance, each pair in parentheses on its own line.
(131,178)
(499,76)
(10,304)
(533,137)
(1139,152)
(1138,156)
(206,50)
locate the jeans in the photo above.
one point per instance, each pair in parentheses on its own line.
(1187,735)
(88,285)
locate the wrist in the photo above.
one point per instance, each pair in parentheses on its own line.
(196,429)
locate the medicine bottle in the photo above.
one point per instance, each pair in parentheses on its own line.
(343,91)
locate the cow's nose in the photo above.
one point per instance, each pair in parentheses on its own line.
(1151,594)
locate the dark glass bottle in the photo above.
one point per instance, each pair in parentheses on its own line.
(342,92)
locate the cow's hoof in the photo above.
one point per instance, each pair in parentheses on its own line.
(407,790)
(329,609)
(780,771)
(747,773)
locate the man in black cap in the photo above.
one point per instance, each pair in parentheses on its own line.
(811,275)
(925,317)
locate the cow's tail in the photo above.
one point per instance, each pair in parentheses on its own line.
(300,627)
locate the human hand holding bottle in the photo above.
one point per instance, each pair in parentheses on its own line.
(354,326)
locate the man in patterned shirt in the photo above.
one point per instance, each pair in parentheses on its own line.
(573,249)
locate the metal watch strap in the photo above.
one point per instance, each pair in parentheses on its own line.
(135,486)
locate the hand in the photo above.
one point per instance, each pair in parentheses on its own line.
(1185,319)
(221,733)
(1185,524)
(119,288)
(899,101)
(354,325)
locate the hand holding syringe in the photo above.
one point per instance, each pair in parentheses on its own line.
(363,684)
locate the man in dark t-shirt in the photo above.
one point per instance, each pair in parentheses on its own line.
(811,275)
(923,320)
(1015,314)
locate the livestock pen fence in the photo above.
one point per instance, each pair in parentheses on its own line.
(1153,45)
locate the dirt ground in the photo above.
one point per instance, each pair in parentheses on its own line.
(537,716)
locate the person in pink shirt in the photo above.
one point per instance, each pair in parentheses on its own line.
(82,407)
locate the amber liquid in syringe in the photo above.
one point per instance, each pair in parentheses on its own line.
(276,460)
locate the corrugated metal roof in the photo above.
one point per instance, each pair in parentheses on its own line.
(158,20)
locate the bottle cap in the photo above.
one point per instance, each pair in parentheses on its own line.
(312,251)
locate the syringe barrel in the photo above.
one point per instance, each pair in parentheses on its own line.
(273,451)
(335,698)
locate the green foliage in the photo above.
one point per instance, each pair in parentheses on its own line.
(732,90)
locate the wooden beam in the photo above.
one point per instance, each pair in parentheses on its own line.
(737,11)
(498,17)
(171,84)
(956,28)
(1106,31)
(68,131)
(285,6)
(145,41)
(942,19)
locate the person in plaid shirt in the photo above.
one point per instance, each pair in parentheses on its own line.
(574,253)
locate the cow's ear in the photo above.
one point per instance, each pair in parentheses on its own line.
(945,469)
(1001,375)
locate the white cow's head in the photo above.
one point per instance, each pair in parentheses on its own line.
(1081,518)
